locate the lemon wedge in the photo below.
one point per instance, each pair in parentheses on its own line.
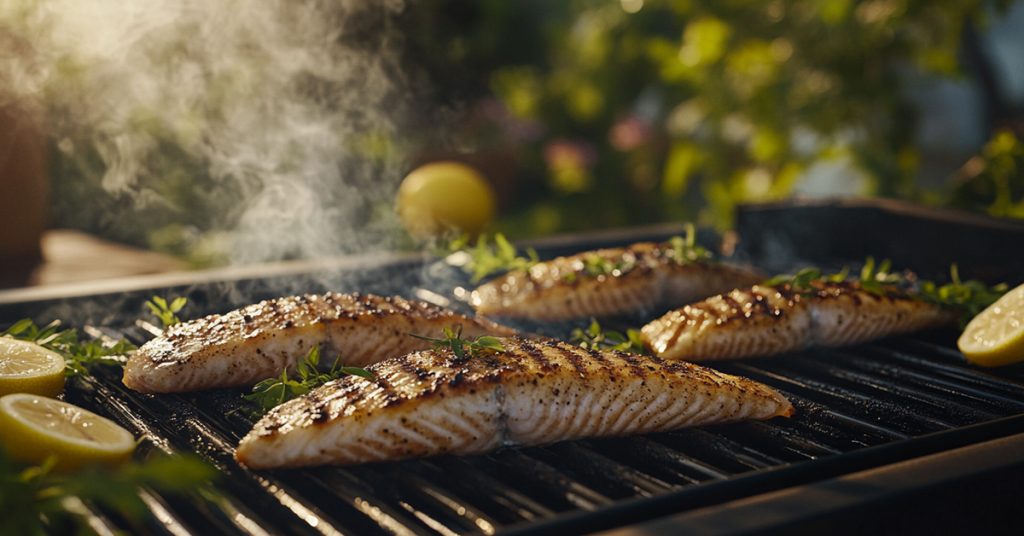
(26,367)
(996,336)
(33,428)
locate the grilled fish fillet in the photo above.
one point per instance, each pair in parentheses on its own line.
(642,277)
(256,342)
(533,392)
(762,321)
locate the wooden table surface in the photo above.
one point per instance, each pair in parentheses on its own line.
(72,256)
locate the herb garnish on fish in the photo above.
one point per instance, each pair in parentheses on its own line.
(597,338)
(453,341)
(272,392)
(684,248)
(485,258)
(971,296)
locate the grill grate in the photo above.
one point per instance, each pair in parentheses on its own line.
(856,407)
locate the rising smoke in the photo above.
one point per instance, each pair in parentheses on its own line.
(272,125)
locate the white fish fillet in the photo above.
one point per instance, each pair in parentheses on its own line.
(256,342)
(533,392)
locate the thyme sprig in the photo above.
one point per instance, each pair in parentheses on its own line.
(495,255)
(35,500)
(453,341)
(594,337)
(804,279)
(167,312)
(684,249)
(970,297)
(874,278)
(489,256)
(78,355)
(272,392)
(680,249)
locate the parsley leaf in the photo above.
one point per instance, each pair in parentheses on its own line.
(462,348)
(971,296)
(272,392)
(166,312)
(487,258)
(596,338)
(684,249)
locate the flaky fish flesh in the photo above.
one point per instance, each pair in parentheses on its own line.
(768,320)
(643,277)
(256,342)
(533,391)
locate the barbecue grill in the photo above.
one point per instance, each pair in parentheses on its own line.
(901,424)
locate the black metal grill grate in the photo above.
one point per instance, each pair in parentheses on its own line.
(857,407)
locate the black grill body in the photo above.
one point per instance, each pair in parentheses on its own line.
(858,409)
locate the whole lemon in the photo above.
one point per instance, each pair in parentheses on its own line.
(444,196)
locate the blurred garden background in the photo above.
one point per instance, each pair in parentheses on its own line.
(582,114)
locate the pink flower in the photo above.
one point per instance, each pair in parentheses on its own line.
(629,133)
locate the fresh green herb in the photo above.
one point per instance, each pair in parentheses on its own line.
(34,500)
(595,265)
(596,338)
(803,280)
(876,278)
(272,392)
(167,312)
(79,355)
(684,249)
(453,341)
(969,296)
(487,258)
(681,249)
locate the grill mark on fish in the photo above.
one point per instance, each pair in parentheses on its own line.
(255,342)
(562,289)
(508,397)
(771,320)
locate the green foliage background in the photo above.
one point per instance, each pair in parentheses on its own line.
(599,113)
(666,109)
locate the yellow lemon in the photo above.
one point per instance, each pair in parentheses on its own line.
(26,367)
(33,428)
(996,336)
(444,196)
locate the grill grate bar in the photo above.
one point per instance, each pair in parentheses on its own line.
(457,512)
(942,388)
(781,442)
(599,472)
(948,411)
(653,457)
(470,478)
(823,402)
(549,483)
(949,363)
(851,399)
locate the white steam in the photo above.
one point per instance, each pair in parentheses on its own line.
(291,107)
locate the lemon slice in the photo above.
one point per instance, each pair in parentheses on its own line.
(996,336)
(26,367)
(33,428)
